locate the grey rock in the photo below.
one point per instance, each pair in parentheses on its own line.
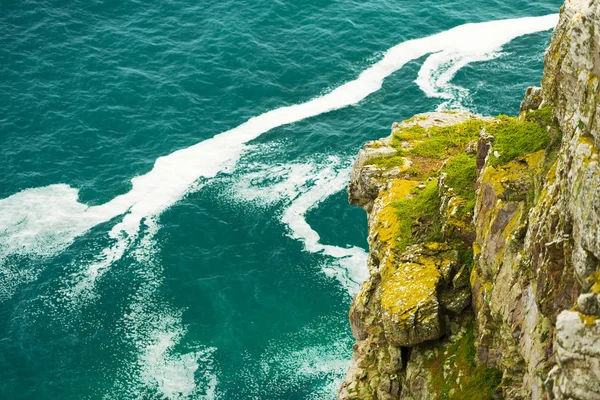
(533,99)
(588,304)
(577,374)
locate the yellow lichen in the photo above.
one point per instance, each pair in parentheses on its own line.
(588,320)
(551,175)
(595,281)
(407,285)
(387,219)
(476,249)
(435,246)
(488,286)
(513,171)
(593,151)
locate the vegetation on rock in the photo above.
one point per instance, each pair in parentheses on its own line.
(456,375)
(418,217)
(515,138)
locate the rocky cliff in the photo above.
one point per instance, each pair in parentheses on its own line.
(484,238)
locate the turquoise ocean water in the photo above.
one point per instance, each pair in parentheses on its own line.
(158,243)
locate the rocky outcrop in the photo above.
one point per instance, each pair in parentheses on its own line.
(484,242)
(419,273)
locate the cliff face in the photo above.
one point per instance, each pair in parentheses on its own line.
(484,242)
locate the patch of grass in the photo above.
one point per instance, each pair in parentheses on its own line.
(387,162)
(415,132)
(461,174)
(435,147)
(418,216)
(514,138)
(543,116)
(442,142)
(475,382)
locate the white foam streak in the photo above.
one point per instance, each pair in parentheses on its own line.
(352,261)
(473,46)
(45,220)
(440,68)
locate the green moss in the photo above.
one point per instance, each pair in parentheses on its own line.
(514,138)
(543,116)
(418,216)
(415,132)
(442,142)
(387,162)
(461,174)
(475,382)
(418,173)
(466,257)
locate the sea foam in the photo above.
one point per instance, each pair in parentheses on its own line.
(43,221)
(351,262)
(294,189)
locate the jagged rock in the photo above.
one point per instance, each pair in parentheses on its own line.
(408,295)
(455,300)
(410,307)
(471,148)
(367,180)
(484,144)
(571,85)
(454,224)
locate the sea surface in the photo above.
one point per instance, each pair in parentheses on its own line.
(173,216)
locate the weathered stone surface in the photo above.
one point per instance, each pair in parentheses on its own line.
(588,304)
(510,329)
(571,87)
(577,373)
(410,308)
(454,224)
(367,180)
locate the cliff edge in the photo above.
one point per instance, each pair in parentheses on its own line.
(484,238)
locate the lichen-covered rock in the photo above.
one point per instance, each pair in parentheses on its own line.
(571,86)
(410,283)
(539,266)
(367,179)
(503,298)
(414,289)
